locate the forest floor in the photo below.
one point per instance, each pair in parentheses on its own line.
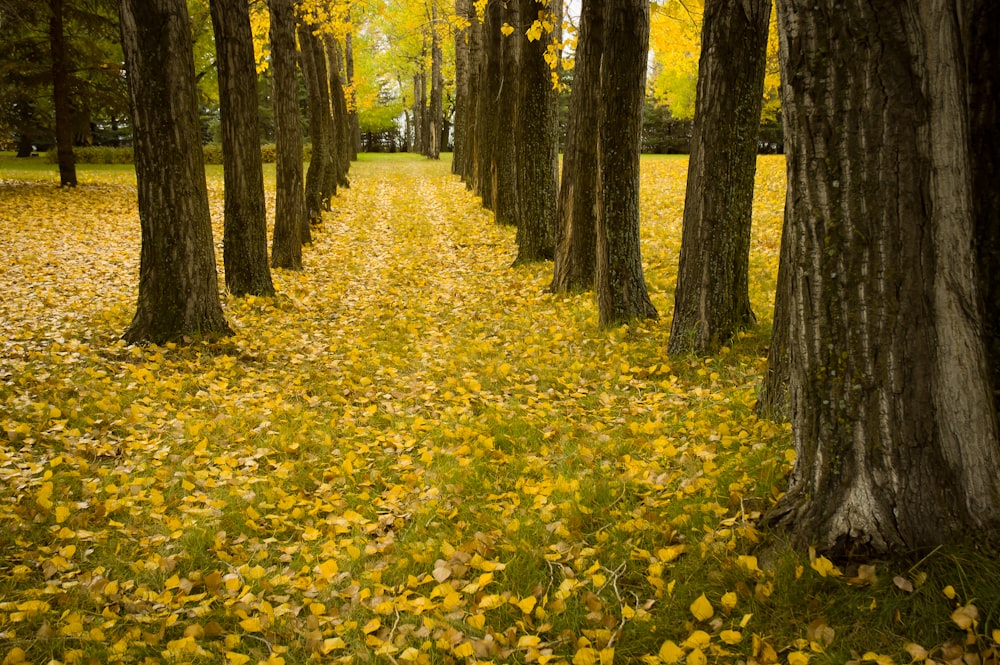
(413,454)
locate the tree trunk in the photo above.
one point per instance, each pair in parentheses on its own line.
(576,212)
(892,414)
(772,404)
(621,286)
(712,298)
(353,122)
(984,99)
(318,100)
(244,253)
(290,205)
(60,96)
(504,172)
(461,89)
(486,122)
(338,103)
(178,285)
(419,110)
(472,147)
(436,110)
(332,157)
(535,143)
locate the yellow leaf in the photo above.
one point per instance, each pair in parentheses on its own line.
(62,513)
(372,626)
(996,635)
(824,567)
(697,639)
(917,652)
(949,592)
(464,650)
(585,656)
(527,604)
(966,617)
(731,636)
(670,652)
(878,658)
(798,658)
(477,621)
(702,609)
(748,562)
(236,658)
(328,569)
(696,657)
(44,495)
(15,656)
(608,656)
(251,625)
(729,600)
(526,641)
(507,29)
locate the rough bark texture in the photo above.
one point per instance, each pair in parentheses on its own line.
(178,285)
(470,161)
(504,114)
(892,414)
(984,106)
(332,158)
(576,212)
(461,90)
(290,205)
(772,404)
(535,143)
(419,113)
(318,100)
(712,298)
(244,253)
(60,96)
(621,287)
(487,131)
(341,119)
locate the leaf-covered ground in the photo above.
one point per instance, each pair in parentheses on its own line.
(414,454)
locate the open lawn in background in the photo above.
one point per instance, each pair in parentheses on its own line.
(413,454)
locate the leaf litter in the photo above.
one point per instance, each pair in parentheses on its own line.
(413,454)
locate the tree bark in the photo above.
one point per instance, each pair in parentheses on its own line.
(984,99)
(470,162)
(490,90)
(892,415)
(353,121)
(341,120)
(576,211)
(318,99)
(621,287)
(290,205)
(60,96)
(178,285)
(535,143)
(712,298)
(244,253)
(504,112)
(461,90)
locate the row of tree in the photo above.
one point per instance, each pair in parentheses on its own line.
(885,350)
(178,291)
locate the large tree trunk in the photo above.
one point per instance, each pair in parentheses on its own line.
(504,107)
(244,253)
(712,298)
(535,143)
(621,287)
(892,414)
(487,131)
(178,285)
(290,206)
(318,99)
(576,211)
(341,119)
(60,96)
(461,89)
(984,100)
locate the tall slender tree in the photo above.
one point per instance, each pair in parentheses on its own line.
(503,172)
(313,58)
(576,212)
(61,96)
(712,298)
(893,417)
(621,287)
(178,285)
(244,247)
(461,87)
(290,207)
